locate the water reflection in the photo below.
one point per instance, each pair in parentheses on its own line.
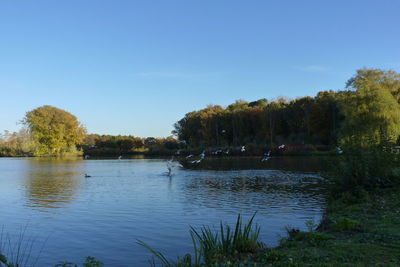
(299,164)
(256,190)
(51,183)
(125,200)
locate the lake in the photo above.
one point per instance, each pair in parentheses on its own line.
(68,217)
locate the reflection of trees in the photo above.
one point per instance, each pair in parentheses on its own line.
(252,190)
(298,164)
(51,183)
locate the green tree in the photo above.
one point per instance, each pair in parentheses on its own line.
(53,131)
(371,109)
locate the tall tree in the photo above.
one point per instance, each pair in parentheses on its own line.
(371,109)
(54,131)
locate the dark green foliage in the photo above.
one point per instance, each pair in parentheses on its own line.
(3,259)
(303,120)
(116,145)
(369,112)
(346,224)
(89,262)
(92,262)
(313,238)
(365,168)
(273,256)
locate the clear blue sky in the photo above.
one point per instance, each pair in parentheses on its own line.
(136,67)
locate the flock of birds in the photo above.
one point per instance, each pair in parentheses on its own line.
(170,163)
(266,156)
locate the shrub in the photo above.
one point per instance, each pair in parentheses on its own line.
(367,168)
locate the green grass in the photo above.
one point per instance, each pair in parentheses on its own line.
(359,234)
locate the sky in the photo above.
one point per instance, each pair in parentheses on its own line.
(136,67)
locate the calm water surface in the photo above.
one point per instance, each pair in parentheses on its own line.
(73,217)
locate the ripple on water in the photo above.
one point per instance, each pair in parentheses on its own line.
(126,200)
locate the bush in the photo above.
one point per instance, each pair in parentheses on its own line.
(366,168)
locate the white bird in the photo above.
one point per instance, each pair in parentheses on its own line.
(227,152)
(265,158)
(243,149)
(339,150)
(170,165)
(218,152)
(189,156)
(170,162)
(281,146)
(268,153)
(120,157)
(203,154)
(169,171)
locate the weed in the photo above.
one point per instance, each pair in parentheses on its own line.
(346,224)
(313,238)
(273,256)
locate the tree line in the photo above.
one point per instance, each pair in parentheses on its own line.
(50,131)
(115,145)
(368,108)
(367,112)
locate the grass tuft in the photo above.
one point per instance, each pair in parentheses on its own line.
(214,247)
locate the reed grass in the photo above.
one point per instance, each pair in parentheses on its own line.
(17,251)
(211,247)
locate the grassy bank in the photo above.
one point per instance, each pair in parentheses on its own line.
(365,232)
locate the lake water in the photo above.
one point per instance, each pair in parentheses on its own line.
(69,217)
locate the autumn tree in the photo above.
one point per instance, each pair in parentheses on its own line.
(53,131)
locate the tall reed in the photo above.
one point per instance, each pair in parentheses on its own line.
(215,246)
